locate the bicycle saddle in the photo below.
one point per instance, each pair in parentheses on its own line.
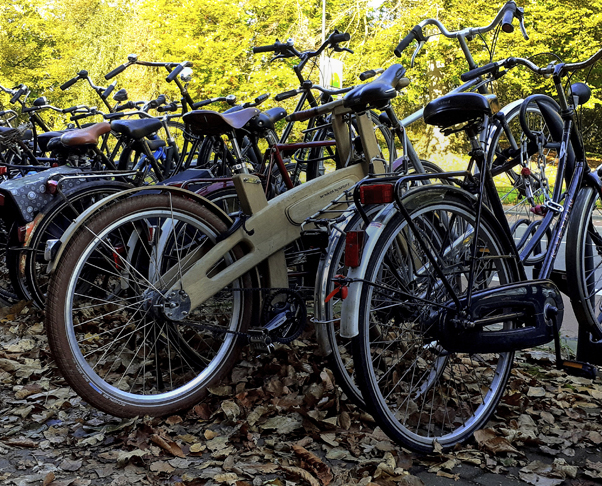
(453,109)
(27,135)
(136,129)
(207,122)
(85,136)
(379,91)
(266,119)
(44,138)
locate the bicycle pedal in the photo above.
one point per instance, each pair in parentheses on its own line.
(579,368)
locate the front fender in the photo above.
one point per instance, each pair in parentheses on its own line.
(176,191)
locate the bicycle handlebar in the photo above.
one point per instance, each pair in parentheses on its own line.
(505,16)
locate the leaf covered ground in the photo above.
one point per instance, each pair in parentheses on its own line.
(280,420)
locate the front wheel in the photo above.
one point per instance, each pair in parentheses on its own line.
(106,330)
(420,393)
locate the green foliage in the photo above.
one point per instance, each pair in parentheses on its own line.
(43,43)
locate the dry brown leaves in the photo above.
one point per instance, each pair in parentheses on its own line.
(279,419)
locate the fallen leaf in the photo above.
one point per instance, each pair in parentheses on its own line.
(313,462)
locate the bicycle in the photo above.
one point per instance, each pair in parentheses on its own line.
(509,151)
(442,295)
(210,261)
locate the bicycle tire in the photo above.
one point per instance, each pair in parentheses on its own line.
(115,258)
(584,260)
(397,341)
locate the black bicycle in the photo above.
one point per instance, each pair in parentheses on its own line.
(441,296)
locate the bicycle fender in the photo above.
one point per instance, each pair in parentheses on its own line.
(351,305)
(324,347)
(32,226)
(176,191)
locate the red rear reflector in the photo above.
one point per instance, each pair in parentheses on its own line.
(1,199)
(376,194)
(52,186)
(3,170)
(354,240)
(117,254)
(22,233)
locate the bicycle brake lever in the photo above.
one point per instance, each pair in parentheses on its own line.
(420,44)
(279,56)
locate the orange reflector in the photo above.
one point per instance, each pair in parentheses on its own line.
(376,194)
(354,241)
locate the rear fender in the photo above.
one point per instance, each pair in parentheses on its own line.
(92,210)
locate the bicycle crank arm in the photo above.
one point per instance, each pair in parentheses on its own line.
(523,315)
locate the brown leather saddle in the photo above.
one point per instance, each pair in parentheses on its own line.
(207,122)
(85,136)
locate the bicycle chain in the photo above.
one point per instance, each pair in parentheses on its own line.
(220,330)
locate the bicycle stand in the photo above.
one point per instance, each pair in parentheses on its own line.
(589,354)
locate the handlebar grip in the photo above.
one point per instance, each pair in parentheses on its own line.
(286,95)
(173,106)
(69,83)
(261,98)
(336,38)
(259,49)
(116,71)
(70,109)
(415,33)
(177,70)
(492,67)
(79,117)
(508,18)
(108,91)
(367,74)
(16,96)
(200,104)
(160,100)
(126,106)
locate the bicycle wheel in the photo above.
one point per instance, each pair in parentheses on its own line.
(105,332)
(420,393)
(29,275)
(331,266)
(584,260)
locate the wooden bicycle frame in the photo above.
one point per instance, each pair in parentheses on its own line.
(274,224)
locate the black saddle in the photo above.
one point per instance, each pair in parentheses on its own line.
(207,122)
(378,92)
(44,138)
(266,119)
(27,135)
(457,108)
(136,129)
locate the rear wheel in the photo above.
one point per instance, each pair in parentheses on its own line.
(106,330)
(420,393)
